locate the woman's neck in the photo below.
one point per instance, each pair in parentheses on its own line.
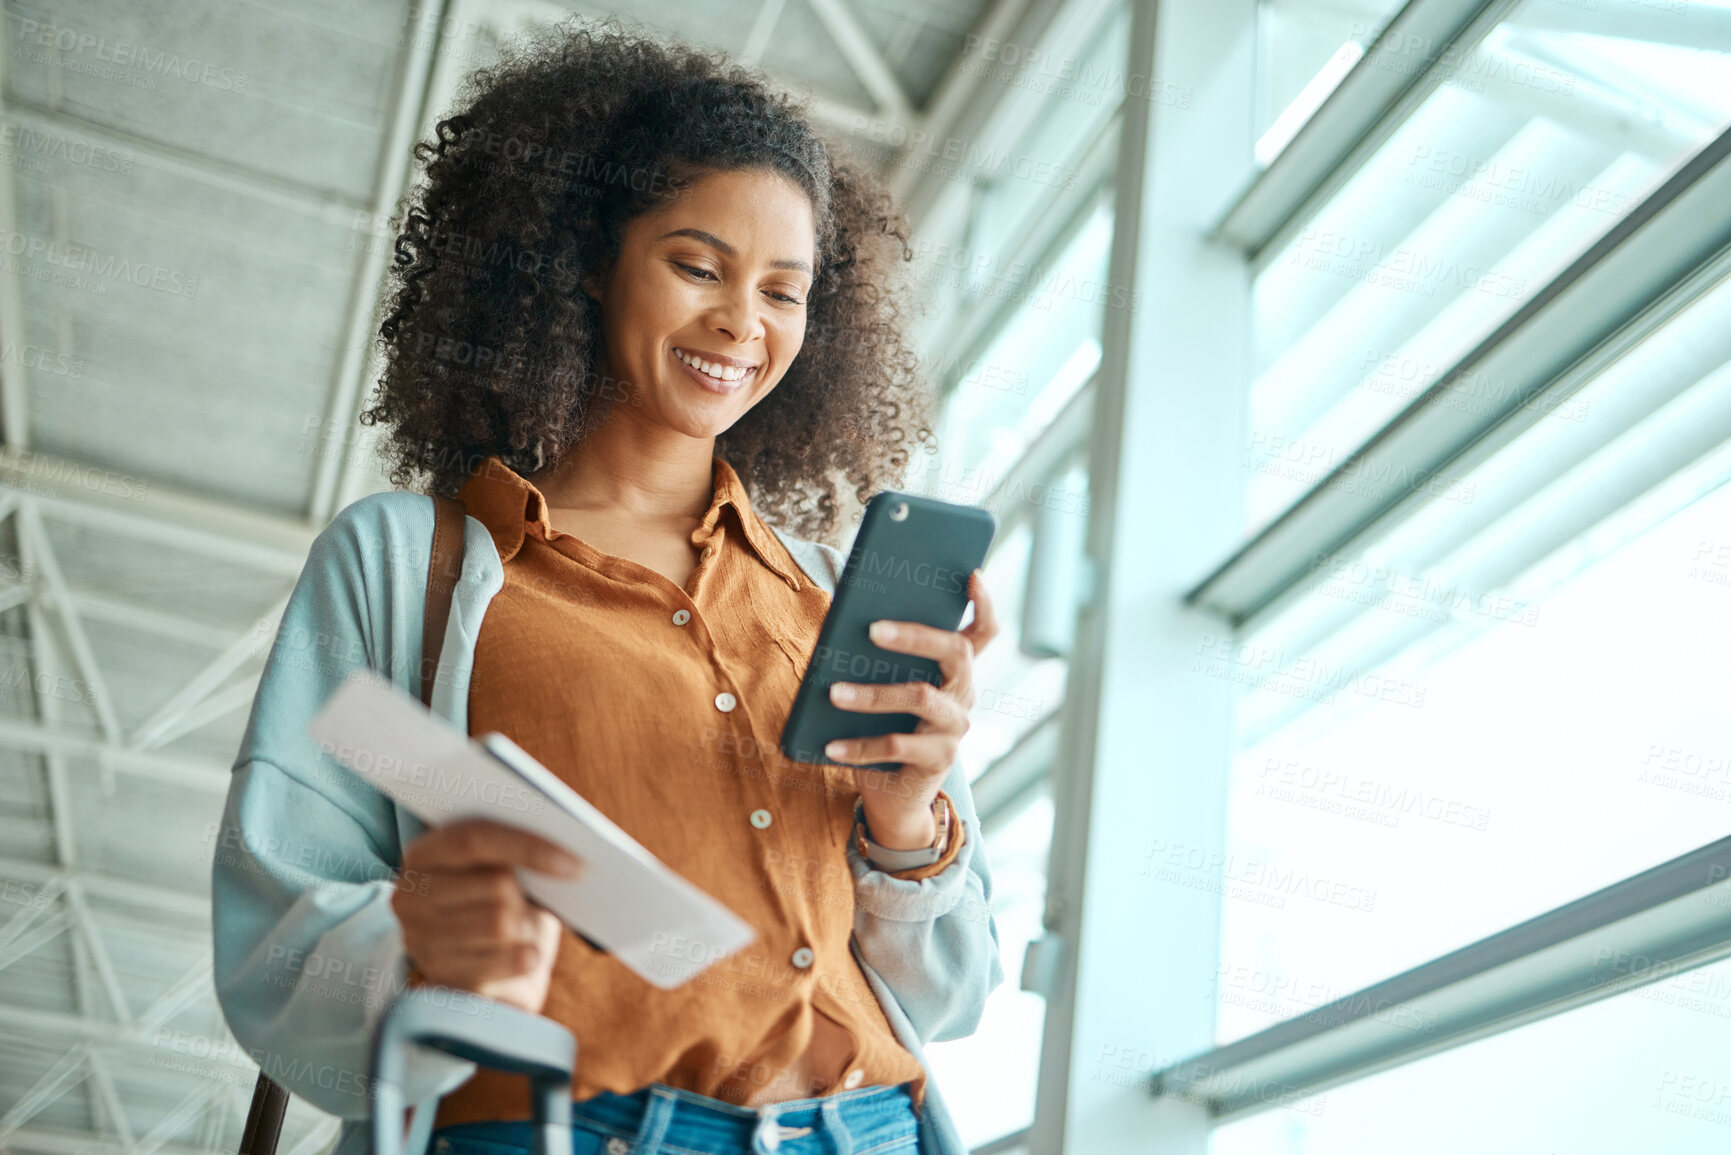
(631,468)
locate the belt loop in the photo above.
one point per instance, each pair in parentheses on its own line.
(831,1112)
(656,1118)
(766,1136)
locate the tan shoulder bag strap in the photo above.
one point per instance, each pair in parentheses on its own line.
(443,569)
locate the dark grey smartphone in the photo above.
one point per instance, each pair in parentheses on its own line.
(910,562)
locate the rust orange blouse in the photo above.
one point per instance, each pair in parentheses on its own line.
(664,706)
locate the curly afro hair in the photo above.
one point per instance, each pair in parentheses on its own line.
(489,343)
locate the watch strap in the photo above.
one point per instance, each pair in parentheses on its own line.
(893,860)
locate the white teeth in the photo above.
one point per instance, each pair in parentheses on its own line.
(719,372)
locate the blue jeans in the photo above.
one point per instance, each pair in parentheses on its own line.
(663,1120)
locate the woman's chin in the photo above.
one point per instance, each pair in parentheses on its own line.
(704,420)
(703,425)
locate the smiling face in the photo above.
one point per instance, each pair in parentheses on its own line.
(705,307)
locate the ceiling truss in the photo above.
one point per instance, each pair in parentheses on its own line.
(84,1055)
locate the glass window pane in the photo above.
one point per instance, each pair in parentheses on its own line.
(1543,137)
(1045,351)
(1013,692)
(1048,155)
(1436,740)
(1646,1070)
(989,1077)
(1000,404)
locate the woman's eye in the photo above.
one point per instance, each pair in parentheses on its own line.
(706,275)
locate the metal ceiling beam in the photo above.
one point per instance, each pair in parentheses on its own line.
(26,916)
(28,944)
(65,1074)
(175,770)
(166,943)
(762,27)
(14,396)
(167,723)
(216,1125)
(244,184)
(38,557)
(998,106)
(188,1109)
(189,988)
(215,1055)
(318,1137)
(842,117)
(93,496)
(862,55)
(81,1143)
(101,607)
(219,704)
(13,596)
(102,1081)
(160,899)
(102,1099)
(340,474)
(956,96)
(99,955)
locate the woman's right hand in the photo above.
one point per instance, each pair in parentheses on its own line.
(467,923)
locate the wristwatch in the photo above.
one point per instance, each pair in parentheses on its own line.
(893,860)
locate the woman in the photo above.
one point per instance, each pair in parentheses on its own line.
(637,305)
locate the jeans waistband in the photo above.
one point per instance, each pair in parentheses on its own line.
(851,1122)
(617,1110)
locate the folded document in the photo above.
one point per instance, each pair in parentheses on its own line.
(625,900)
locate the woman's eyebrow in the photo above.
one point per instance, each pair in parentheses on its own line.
(726,249)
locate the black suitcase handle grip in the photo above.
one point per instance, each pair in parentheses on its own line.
(504,1039)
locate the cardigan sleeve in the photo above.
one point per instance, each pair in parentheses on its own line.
(933,939)
(307,949)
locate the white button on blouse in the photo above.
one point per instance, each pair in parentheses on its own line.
(680,617)
(803,957)
(854,1078)
(760,819)
(725,702)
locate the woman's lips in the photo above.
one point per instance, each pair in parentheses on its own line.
(714,384)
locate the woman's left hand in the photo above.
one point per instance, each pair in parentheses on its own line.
(898,803)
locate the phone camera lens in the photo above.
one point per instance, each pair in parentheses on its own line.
(899,512)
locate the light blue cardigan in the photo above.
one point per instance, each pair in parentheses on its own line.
(308,951)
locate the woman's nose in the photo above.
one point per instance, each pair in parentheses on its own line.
(739,318)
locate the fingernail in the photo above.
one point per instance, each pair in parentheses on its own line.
(841,692)
(835,749)
(882,632)
(564,866)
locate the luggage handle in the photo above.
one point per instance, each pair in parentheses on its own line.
(506,1039)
